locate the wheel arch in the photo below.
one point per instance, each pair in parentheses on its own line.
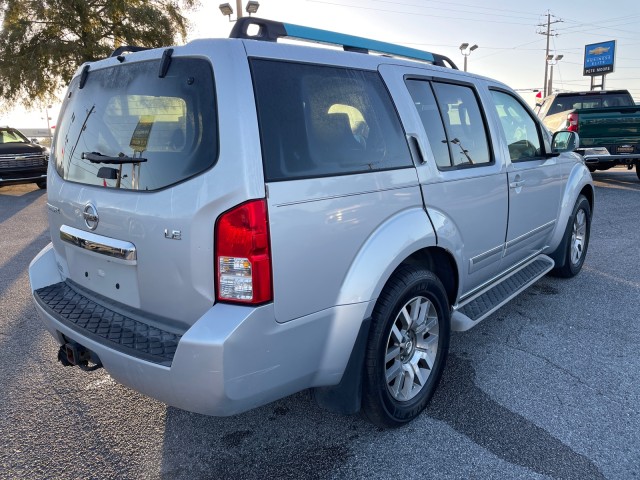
(442,264)
(381,256)
(579,182)
(382,253)
(589,194)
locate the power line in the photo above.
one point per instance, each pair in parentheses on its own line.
(491,10)
(515,47)
(600,25)
(483,47)
(430,15)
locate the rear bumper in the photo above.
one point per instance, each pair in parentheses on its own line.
(611,160)
(231,359)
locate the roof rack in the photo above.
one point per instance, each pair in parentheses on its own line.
(271,31)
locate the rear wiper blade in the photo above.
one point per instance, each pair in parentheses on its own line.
(97,157)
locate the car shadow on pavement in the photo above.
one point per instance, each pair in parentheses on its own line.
(288,439)
(12,200)
(616,178)
(293,438)
(509,436)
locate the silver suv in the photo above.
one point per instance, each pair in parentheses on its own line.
(236,220)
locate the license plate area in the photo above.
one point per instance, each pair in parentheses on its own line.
(110,277)
(625,149)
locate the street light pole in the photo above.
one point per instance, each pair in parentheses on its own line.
(227,10)
(466,50)
(551,61)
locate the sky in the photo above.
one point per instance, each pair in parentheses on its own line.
(510,49)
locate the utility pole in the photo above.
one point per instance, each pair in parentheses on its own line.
(238,8)
(548,32)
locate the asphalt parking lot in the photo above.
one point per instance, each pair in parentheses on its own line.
(547,387)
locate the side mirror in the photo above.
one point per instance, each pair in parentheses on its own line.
(35,141)
(564,141)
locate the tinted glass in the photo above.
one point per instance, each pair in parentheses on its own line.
(465,126)
(564,103)
(128,112)
(425,103)
(520,129)
(317,121)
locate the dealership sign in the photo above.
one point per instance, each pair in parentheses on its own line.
(599,58)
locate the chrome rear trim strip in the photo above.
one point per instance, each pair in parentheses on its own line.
(110,247)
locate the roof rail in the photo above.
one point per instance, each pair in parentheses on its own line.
(271,31)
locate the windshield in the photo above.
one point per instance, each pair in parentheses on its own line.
(9,135)
(128,128)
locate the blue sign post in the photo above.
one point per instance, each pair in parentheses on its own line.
(599,58)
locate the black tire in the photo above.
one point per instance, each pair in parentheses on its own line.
(576,242)
(638,170)
(428,342)
(42,184)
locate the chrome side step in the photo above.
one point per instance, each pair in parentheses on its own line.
(487,301)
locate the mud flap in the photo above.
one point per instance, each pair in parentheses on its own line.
(346,397)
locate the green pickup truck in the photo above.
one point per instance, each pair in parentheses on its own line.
(608,123)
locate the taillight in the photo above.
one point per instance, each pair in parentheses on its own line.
(572,122)
(242,254)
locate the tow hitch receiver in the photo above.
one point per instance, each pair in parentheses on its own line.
(73,354)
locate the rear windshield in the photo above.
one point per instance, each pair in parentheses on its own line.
(127,128)
(563,104)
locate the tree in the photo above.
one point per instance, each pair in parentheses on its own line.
(43,42)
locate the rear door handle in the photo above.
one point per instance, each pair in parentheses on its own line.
(517,184)
(416,150)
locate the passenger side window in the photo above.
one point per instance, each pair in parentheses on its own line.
(319,120)
(520,129)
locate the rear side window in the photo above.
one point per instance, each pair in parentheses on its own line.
(425,103)
(464,124)
(127,128)
(453,123)
(318,121)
